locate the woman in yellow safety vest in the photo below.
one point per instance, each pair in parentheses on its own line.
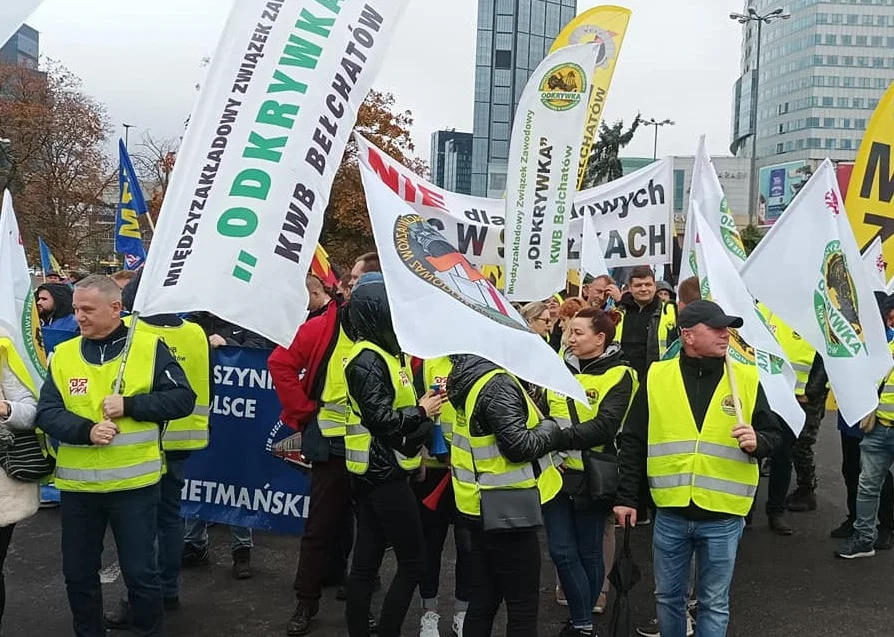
(386,429)
(575,519)
(502,474)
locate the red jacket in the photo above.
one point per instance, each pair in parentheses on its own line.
(296,370)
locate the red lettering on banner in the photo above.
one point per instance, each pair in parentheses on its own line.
(384,168)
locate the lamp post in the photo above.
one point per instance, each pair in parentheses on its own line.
(656,124)
(761,19)
(127,128)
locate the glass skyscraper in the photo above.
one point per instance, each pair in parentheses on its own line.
(451,160)
(513,38)
(23,48)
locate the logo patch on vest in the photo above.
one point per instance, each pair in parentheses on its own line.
(727,405)
(77,386)
(592,396)
(404,379)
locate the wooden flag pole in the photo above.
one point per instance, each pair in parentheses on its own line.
(735,391)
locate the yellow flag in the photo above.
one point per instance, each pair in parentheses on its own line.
(870,196)
(606,26)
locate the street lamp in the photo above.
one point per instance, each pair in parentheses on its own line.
(760,19)
(127,128)
(656,124)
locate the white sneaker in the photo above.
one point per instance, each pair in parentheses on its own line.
(459,618)
(428,625)
(561,600)
(690,626)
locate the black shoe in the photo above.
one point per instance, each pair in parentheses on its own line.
(372,624)
(843,530)
(121,618)
(299,623)
(802,500)
(194,556)
(884,541)
(242,563)
(172,603)
(778,524)
(568,630)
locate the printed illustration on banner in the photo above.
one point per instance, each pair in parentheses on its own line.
(835,304)
(562,86)
(607,49)
(730,233)
(428,255)
(739,349)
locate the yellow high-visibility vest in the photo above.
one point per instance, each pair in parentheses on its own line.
(667,325)
(885,409)
(798,351)
(333,415)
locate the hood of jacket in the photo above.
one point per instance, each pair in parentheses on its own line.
(62,297)
(613,356)
(369,313)
(629,304)
(467,369)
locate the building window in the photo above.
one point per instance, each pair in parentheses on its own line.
(814,142)
(503,60)
(779,150)
(831,60)
(862,40)
(843,102)
(501,114)
(871,103)
(845,122)
(862,61)
(822,18)
(819,80)
(865,82)
(891,43)
(847,60)
(845,144)
(818,60)
(679,189)
(830,143)
(799,144)
(847,82)
(852,19)
(813,122)
(828,101)
(878,62)
(831,39)
(857,102)
(860,124)
(828,122)
(881,82)
(847,40)
(877,41)
(789,147)
(834,80)
(881,21)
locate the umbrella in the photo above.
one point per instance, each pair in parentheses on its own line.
(624,576)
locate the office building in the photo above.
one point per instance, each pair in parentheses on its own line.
(513,38)
(22,48)
(451,160)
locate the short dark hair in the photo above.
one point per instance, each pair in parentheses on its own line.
(642,272)
(601,322)
(370,262)
(689,291)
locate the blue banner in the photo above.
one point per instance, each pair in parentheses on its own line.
(243,477)
(128,240)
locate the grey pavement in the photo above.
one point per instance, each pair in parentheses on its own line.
(784,586)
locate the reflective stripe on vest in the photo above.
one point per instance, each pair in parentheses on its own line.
(357,437)
(133,459)
(704,467)
(189,347)
(477,463)
(596,386)
(334,408)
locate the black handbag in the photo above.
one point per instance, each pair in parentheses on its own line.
(25,460)
(600,467)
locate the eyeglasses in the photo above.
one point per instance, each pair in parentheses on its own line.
(545,320)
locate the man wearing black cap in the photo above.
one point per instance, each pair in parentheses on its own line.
(696,429)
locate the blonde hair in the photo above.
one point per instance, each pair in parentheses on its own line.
(533,310)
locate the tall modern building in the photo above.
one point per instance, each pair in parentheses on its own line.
(822,73)
(22,48)
(513,38)
(451,160)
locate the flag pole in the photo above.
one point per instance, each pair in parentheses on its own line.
(735,391)
(124,355)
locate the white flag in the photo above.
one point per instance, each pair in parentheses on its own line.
(874,261)
(753,343)
(240,222)
(18,313)
(592,254)
(808,271)
(544,154)
(441,305)
(13,14)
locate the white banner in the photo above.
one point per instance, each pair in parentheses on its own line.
(753,343)
(808,271)
(442,305)
(592,254)
(874,261)
(241,219)
(544,153)
(13,14)
(18,313)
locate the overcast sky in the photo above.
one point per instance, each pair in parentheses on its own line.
(143,59)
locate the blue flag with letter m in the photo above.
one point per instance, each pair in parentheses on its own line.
(130,204)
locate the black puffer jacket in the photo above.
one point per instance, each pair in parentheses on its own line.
(602,429)
(501,410)
(369,384)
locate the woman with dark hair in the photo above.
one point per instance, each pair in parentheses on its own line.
(575,519)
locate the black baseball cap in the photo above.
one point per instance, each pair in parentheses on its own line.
(706,312)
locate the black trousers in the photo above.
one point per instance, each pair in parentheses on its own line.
(850,469)
(386,514)
(504,566)
(780,473)
(5,538)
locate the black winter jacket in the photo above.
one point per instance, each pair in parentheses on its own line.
(640,337)
(501,410)
(407,429)
(700,379)
(230,332)
(602,429)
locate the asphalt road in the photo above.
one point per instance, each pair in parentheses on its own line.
(783,586)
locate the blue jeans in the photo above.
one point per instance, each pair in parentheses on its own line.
(574,536)
(170,527)
(197,535)
(714,543)
(876,457)
(133,516)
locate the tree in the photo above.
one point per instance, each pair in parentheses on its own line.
(751,236)
(346,229)
(604,164)
(154,161)
(54,162)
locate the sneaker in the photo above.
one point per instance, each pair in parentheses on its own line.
(459,618)
(299,623)
(843,530)
(428,625)
(802,500)
(570,631)
(690,625)
(649,629)
(372,624)
(561,600)
(884,541)
(778,524)
(121,618)
(601,603)
(194,556)
(242,563)
(851,549)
